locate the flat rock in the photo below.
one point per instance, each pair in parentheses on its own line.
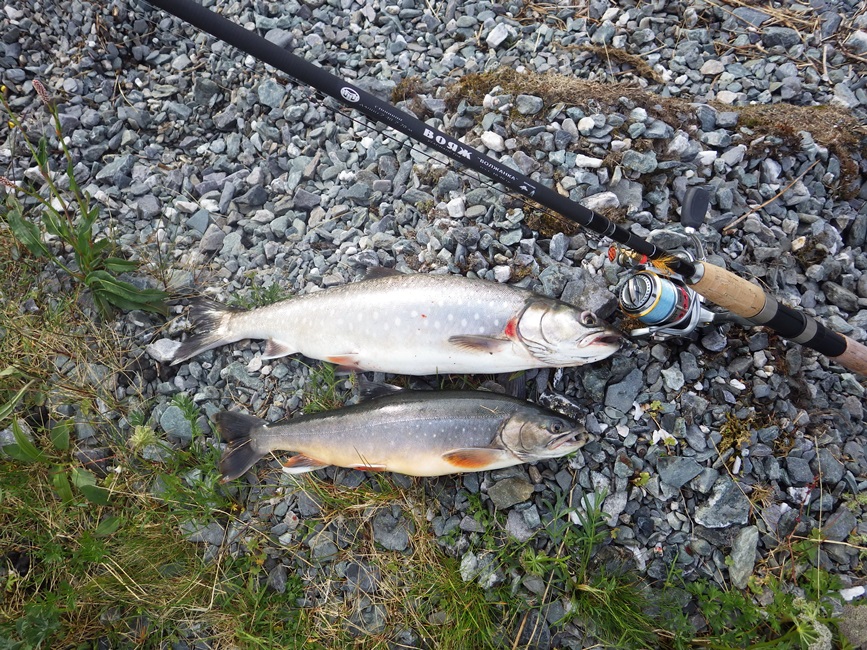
(726,506)
(509,491)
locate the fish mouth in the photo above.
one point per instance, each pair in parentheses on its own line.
(604,338)
(576,438)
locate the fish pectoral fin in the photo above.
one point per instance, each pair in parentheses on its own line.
(375,272)
(489,344)
(370,468)
(373,389)
(347,362)
(275,350)
(476,458)
(301,463)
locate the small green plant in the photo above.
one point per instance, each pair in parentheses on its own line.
(259,296)
(69,215)
(323,391)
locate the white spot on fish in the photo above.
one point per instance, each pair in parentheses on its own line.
(413,313)
(397,322)
(450,317)
(476,316)
(463,322)
(437,325)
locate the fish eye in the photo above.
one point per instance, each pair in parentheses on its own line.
(557,427)
(588,318)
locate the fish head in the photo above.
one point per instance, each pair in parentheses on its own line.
(538,435)
(561,335)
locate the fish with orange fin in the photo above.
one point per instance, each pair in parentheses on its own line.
(413,324)
(419,433)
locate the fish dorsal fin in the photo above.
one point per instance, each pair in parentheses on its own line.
(476,459)
(489,344)
(275,350)
(376,272)
(373,389)
(301,463)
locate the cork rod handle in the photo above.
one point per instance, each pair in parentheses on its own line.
(749,301)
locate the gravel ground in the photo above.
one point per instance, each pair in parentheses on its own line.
(228,180)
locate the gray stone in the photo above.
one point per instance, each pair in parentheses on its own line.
(673,379)
(390,531)
(517,527)
(751,16)
(509,491)
(831,469)
(362,577)
(201,533)
(726,506)
(305,200)
(799,471)
(119,165)
(204,89)
(643,163)
(857,41)
(840,296)
(500,34)
(601,201)
(743,557)
(622,395)
(839,525)
(784,36)
(705,480)
(529,104)
(558,246)
(532,632)
(163,350)
(677,472)
(148,207)
(175,423)
(277,578)
(213,239)
(271,93)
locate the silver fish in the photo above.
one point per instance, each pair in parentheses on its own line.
(413,325)
(419,433)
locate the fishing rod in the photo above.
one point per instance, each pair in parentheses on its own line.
(716,284)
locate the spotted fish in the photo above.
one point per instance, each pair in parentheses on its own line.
(419,433)
(413,325)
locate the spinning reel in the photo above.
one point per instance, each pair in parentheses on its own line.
(658,297)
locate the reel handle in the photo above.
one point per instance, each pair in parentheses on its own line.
(748,300)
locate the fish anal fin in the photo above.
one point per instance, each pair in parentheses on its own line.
(300,463)
(275,350)
(475,458)
(370,468)
(375,272)
(346,362)
(489,344)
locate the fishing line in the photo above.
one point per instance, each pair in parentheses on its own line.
(715,283)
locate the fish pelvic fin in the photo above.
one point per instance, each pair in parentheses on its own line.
(477,459)
(300,463)
(238,429)
(212,329)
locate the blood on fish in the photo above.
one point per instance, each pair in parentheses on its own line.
(511,328)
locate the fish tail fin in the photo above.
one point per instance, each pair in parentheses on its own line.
(211,321)
(242,453)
